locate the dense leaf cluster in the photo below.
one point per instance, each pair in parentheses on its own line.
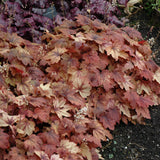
(25,17)
(58,100)
(30,18)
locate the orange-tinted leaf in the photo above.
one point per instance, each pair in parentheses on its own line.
(83,20)
(124,81)
(54,56)
(17,69)
(100,132)
(61,108)
(37,101)
(25,127)
(85,151)
(156,76)
(82,87)
(92,36)
(116,52)
(24,85)
(124,109)
(69,146)
(46,90)
(143,87)
(79,37)
(7,120)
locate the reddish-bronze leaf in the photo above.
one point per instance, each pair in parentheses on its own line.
(99,132)
(76,99)
(19,53)
(83,20)
(50,137)
(106,80)
(17,69)
(42,113)
(92,36)
(141,111)
(132,97)
(35,73)
(49,149)
(79,37)
(110,118)
(17,154)
(37,101)
(147,74)
(124,81)
(33,143)
(4,140)
(134,34)
(145,101)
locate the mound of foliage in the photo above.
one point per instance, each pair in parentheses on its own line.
(59,99)
(25,17)
(29,18)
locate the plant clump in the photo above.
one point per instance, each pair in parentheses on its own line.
(30,18)
(59,99)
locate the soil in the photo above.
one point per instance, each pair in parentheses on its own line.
(139,142)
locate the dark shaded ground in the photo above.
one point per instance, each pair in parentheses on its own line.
(139,142)
(135,142)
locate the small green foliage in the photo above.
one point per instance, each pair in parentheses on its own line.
(151,5)
(111,156)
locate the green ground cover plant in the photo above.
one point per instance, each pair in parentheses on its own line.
(151,5)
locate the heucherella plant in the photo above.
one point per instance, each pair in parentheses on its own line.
(30,18)
(59,99)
